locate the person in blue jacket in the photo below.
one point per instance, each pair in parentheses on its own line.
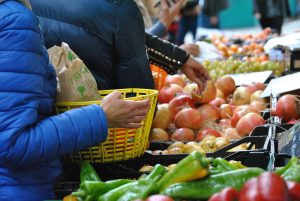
(32,138)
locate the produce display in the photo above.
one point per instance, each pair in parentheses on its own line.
(206,120)
(196,122)
(196,177)
(250,46)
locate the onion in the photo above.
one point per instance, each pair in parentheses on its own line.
(217,102)
(183,135)
(241,96)
(220,94)
(226,111)
(159,134)
(248,122)
(231,134)
(208,112)
(189,88)
(226,85)
(288,107)
(259,106)
(162,118)
(188,118)
(207,94)
(238,115)
(256,97)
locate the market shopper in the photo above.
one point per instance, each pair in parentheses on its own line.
(188,20)
(165,17)
(32,138)
(109,36)
(211,9)
(271,13)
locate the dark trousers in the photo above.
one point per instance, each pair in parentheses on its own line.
(186,24)
(274,23)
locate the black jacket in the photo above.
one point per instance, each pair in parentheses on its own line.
(214,7)
(109,36)
(280,8)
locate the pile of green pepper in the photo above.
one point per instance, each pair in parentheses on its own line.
(192,178)
(194,166)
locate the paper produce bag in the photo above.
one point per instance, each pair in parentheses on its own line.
(76,82)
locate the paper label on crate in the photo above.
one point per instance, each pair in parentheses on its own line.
(283,84)
(248,78)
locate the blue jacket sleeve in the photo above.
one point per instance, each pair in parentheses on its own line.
(158,29)
(26,88)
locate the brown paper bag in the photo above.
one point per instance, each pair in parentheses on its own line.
(76,82)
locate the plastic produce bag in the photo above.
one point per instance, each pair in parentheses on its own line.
(76,82)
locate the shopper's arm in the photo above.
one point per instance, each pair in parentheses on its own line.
(171,58)
(165,54)
(158,29)
(27,82)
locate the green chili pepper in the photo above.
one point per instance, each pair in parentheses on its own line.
(87,172)
(292,173)
(203,189)
(223,165)
(137,189)
(91,190)
(293,161)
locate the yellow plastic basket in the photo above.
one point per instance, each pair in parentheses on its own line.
(121,144)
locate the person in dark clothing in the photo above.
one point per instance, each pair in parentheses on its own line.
(113,49)
(188,21)
(210,13)
(271,13)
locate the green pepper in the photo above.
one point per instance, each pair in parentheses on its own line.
(91,190)
(293,161)
(292,173)
(142,190)
(137,189)
(223,165)
(203,189)
(87,172)
(192,167)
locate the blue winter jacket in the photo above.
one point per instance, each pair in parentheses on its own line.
(31,138)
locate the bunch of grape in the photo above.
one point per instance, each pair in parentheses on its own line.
(217,69)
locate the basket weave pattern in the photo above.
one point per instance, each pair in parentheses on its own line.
(121,143)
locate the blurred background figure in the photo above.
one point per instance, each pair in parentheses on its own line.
(188,21)
(210,12)
(271,13)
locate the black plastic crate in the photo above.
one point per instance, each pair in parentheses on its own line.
(264,129)
(259,159)
(257,141)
